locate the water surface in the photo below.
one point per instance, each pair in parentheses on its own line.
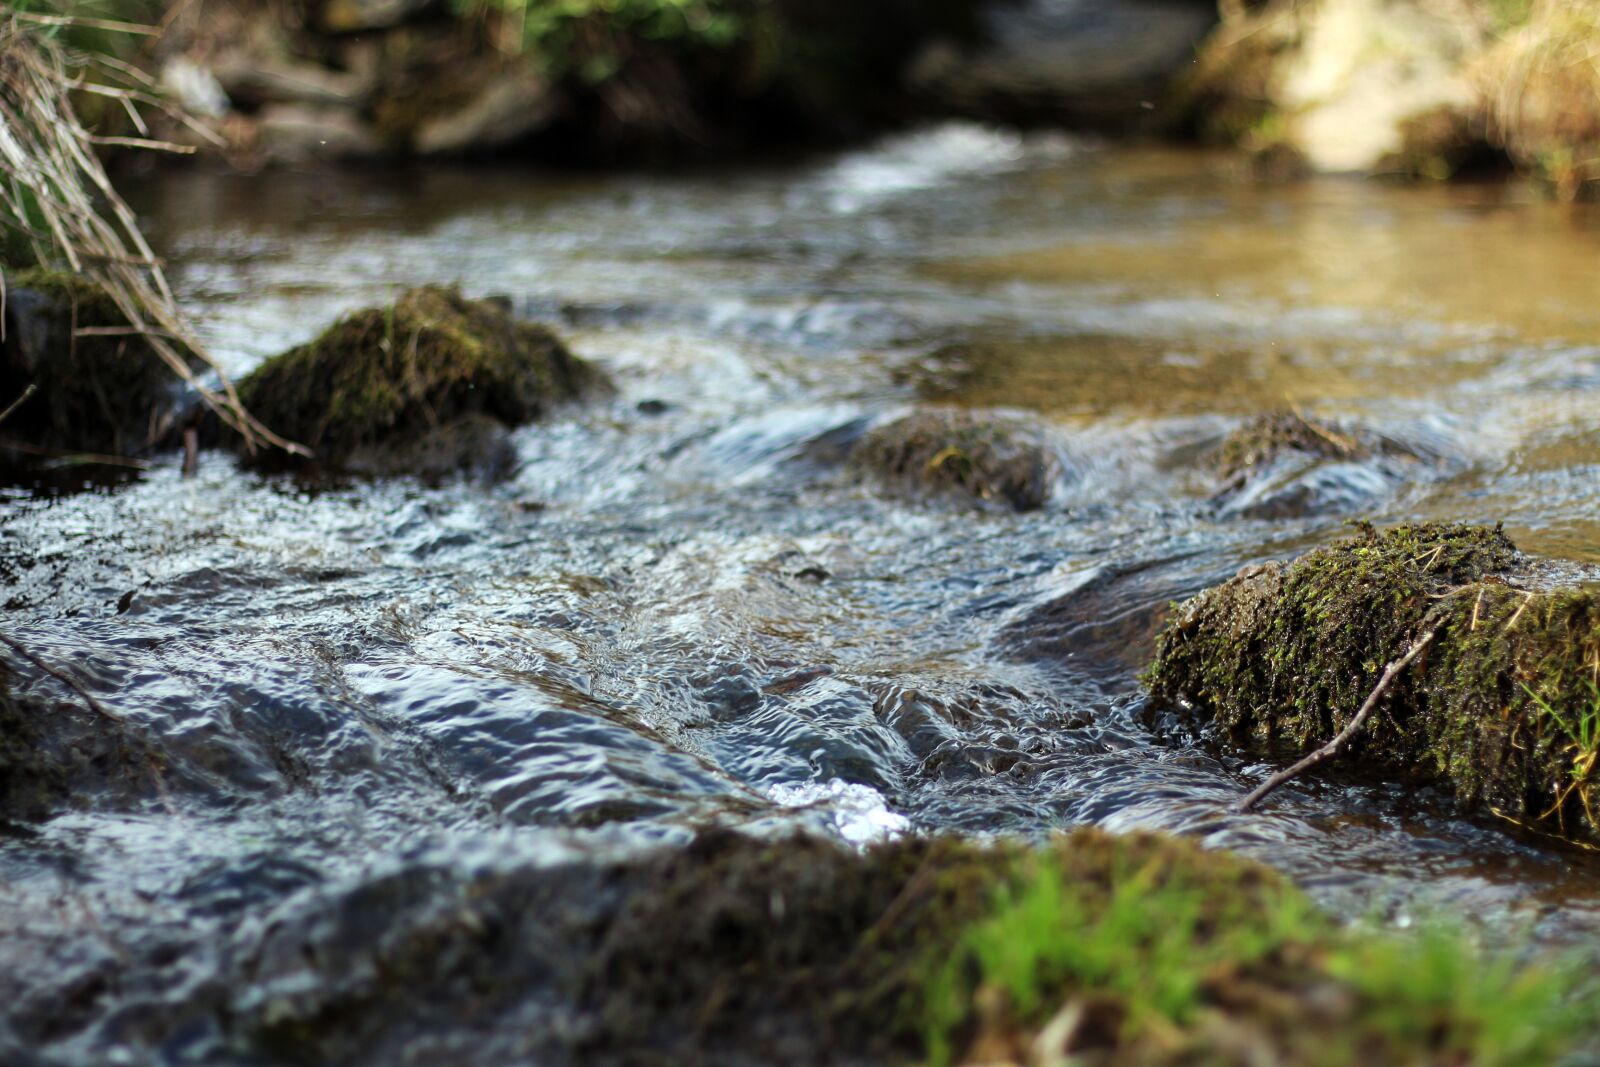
(682,612)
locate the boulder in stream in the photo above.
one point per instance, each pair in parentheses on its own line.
(800,951)
(1502,709)
(96,392)
(1285,464)
(428,385)
(950,452)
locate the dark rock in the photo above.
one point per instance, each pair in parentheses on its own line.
(96,393)
(943,452)
(1286,465)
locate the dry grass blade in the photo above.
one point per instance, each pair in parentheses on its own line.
(49,174)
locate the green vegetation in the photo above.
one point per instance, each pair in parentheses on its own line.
(385,377)
(1281,657)
(1125,950)
(957,452)
(1165,955)
(1261,441)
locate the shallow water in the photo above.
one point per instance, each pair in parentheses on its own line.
(687,614)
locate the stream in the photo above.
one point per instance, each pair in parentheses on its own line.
(681,611)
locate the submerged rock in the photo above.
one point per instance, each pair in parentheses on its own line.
(1502,708)
(425,386)
(957,452)
(96,393)
(1287,465)
(56,756)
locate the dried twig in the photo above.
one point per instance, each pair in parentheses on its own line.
(49,174)
(17,403)
(62,677)
(1339,743)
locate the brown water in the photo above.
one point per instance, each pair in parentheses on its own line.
(667,621)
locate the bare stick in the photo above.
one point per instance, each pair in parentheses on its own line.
(1339,743)
(191,451)
(17,403)
(62,677)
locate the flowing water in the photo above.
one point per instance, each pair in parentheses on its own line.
(681,611)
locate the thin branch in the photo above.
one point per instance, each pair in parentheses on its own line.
(1339,743)
(64,678)
(90,24)
(17,403)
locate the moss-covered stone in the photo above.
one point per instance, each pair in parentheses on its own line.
(96,393)
(1503,708)
(958,452)
(1265,439)
(376,390)
(1285,464)
(802,951)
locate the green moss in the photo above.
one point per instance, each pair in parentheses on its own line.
(1281,657)
(96,393)
(391,375)
(1158,951)
(946,451)
(1147,951)
(1260,442)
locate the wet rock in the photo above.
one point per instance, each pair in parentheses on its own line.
(802,951)
(1106,64)
(949,452)
(1286,465)
(496,112)
(56,756)
(417,386)
(96,393)
(1502,708)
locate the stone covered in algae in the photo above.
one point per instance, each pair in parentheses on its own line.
(957,452)
(804,951)
(383,389)
(1285,465)
(1503,708)
(55,757)
(97,393)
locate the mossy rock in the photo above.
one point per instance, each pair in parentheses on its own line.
(97,393)
(801,950)
(55,757)
(1285,464)
(948,452)
(412,386)
(1502,708)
